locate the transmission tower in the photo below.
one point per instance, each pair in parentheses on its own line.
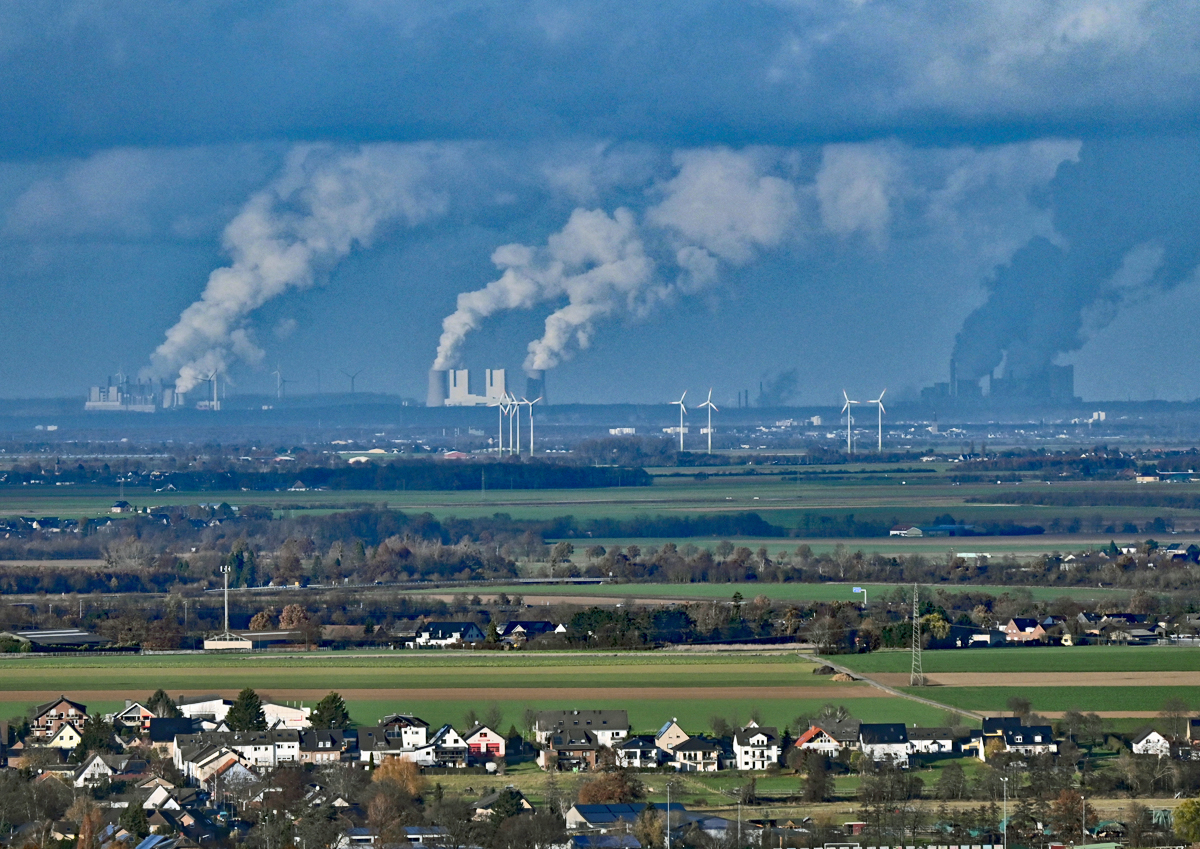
(917,678)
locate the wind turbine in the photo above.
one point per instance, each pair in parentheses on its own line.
(278,382)
(711,406)
(510,405)
(849,420)
(682,411)
(501,406)
(879,403)
(531,403)
(212,380)
(352,378)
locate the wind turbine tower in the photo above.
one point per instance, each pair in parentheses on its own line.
(352,377)
(878,402)
(849,420)
(682,411)
(711,406)
(531,403)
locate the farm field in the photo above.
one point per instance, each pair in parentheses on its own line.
(883,495)
(830,591)
(1031,659)
(442,688)
(1112,701)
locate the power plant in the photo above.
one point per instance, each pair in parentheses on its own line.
(131,396)
(1050,384)
(452,388)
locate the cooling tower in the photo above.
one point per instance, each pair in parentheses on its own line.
(437,388)
(535,385)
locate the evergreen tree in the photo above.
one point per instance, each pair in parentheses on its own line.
(246,714)
(330,712)
(133,818)
(95,736)
(162,705)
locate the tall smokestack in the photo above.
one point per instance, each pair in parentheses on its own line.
(437,388)
(535,385)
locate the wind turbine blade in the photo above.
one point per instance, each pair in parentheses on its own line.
(881,394)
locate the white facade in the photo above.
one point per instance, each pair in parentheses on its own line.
(1152,743)
(459,394)
(755,748)
(217,708)
(283,716)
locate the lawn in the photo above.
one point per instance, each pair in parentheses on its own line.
(1035,659)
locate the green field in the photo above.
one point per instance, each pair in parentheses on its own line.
(882,495)
(1035,659)
(697,687)
(1085,699)
(831,591)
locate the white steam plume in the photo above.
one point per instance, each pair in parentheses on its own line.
(717,207)
(325,201)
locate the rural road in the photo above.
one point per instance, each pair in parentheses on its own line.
(892,691)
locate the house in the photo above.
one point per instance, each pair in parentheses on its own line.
(134,715)
(323,746)
(609,726)
(930,741)
(829,738)
(286,716)
(1024,629)
(121,507)
(484,744)
(523,631)
(696,754)
(424,835)
(409,731)
(756,747)
(605,818)
(50,717)
(66,737)
(163,731)
(884,740)
(1150,742)
(442,634)
(569,749)
(483,808)
(670,736)
(448,748)
(1030,740)
(213,708)
(638,752)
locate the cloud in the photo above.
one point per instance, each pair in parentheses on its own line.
(854,188)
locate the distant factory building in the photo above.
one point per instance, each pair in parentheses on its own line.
(1051,384)
(129,396)
(453,388)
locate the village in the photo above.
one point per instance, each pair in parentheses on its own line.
(191,772)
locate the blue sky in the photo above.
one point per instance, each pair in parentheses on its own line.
(645,197)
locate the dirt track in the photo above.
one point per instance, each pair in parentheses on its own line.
(482,694)
(1046,679)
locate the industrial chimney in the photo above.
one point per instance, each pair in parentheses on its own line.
(535,385)
(437,388)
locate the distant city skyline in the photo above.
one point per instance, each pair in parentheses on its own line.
(641,200)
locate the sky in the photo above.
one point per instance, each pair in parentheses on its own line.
(638,198)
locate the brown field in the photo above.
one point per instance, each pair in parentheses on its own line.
(1047,679)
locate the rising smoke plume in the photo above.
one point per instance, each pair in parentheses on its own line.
(718,207)
(1057,292)
(326,201)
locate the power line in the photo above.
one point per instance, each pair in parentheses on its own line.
(917,676)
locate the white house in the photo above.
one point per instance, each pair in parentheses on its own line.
(638,752)
(1030,740)
(829,738)
(1150,742)
(930,741)
(286,716)
(756,747)
(204,707)
(883,740)
(609,726)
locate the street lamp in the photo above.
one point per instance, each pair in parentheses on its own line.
(862,590)
(1004,824)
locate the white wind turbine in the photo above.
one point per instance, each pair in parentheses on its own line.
(531,403)
(682,412)
(878,402)
(501,406)
(849,420)
(512,405)
(711,406)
